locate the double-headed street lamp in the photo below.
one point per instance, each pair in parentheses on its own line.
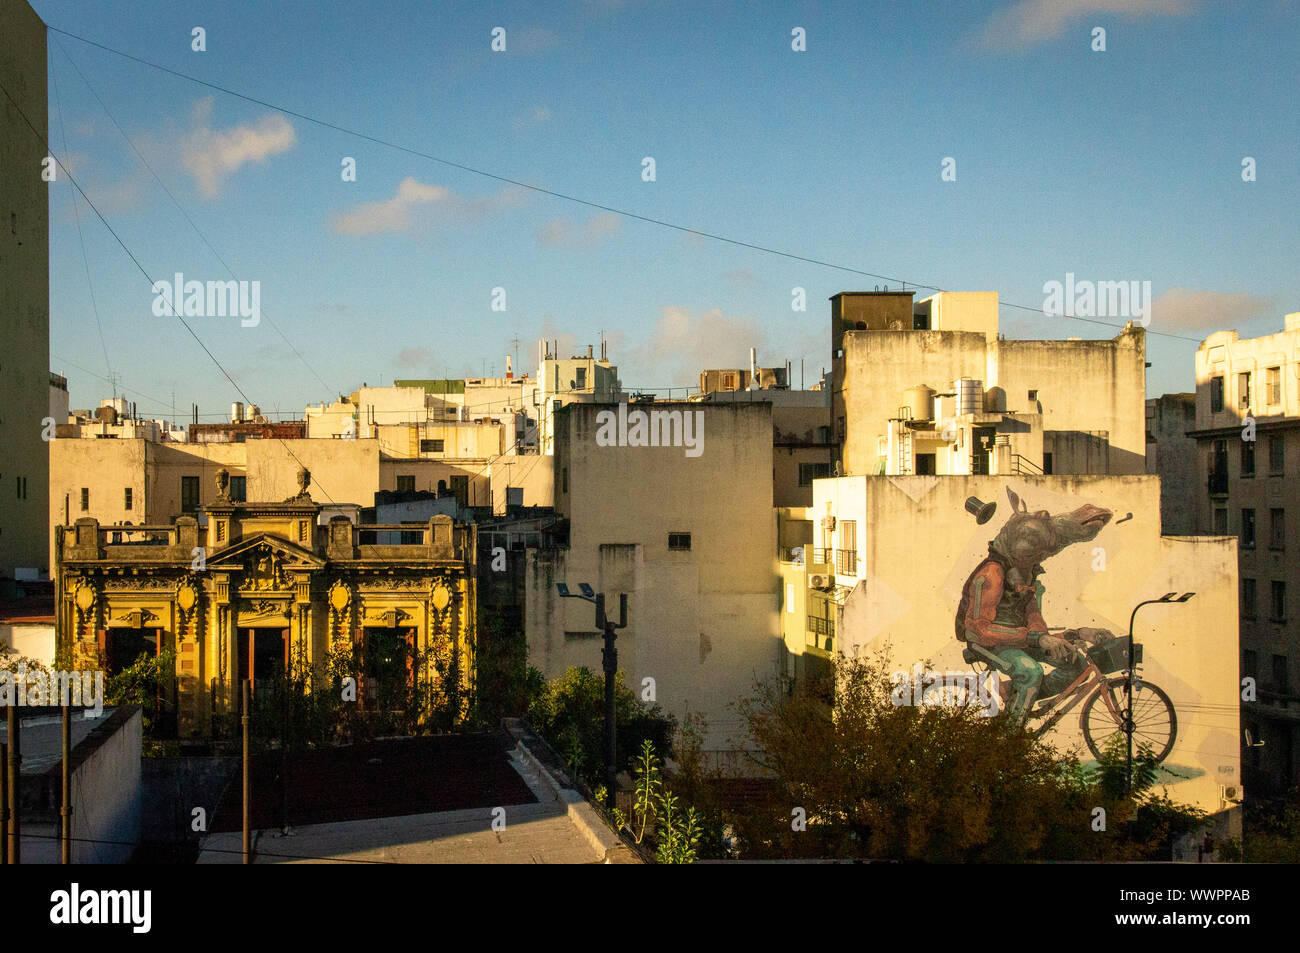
(609,656)
(1168,597)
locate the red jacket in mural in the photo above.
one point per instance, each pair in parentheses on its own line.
(996,613)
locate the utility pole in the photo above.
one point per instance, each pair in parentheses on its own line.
(609,655)
(609,658)
(4,804)
(65,809)
(12,762)
(248,786)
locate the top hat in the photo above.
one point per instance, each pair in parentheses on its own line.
(983,512)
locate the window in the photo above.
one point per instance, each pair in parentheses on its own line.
(1276,529)
(1220,521)
(1248,529)
(1276,454)
(85,498)
(1033,395)
(582,378)
(189,494)
(813,471)
(1249,664)
(460,489)
(728,381)
(126,498)
(823,434)
(1219,467)
(1216,394)
(1273,381)
(406,484)
(846,556)
(1279,601)
(925,464)
(1243,390)
(1047,464)
(1280,681)
(679,541)
(239,489)
(1248,458)
(1249,599)
(431,446)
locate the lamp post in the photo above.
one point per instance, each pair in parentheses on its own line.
(609,658)
(1168,597)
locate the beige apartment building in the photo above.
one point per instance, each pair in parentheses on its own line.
(1247,433)
(24,307)
(930,387)
(884,562)
(690,539)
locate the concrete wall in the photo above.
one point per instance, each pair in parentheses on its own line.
(1092,388)
(917,545)
(106,794)
(1171,455)
(702,622)
(33,640)
(1082,386)
(24,293)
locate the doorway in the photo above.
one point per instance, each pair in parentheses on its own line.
(389,666)
(263,659)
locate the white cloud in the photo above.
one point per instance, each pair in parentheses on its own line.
(534,117)
(414,357)
(1186,309)
(683,343)
(413,206)
(211,155)
(1029,23)
(580,236)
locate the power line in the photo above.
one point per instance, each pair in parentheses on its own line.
(136,261)
(179,208)
(753,246)
(72,197)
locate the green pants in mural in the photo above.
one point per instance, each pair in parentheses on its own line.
(1029,682)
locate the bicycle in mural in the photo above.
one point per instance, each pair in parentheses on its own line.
(1000,622)
(1102,689)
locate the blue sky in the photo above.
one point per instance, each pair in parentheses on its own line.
(1115,165)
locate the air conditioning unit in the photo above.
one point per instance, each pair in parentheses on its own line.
(1231,793)
(819,581)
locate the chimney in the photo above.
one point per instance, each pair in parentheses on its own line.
(509,370)
(590,352)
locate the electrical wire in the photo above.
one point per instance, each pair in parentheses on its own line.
(600,206)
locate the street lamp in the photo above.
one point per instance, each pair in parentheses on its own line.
(1168,597)
(609,657)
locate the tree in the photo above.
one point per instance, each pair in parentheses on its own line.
(570,714)
(865,777)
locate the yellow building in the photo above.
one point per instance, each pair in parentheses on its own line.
(260,590)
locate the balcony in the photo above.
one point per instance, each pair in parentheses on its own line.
(846,562)
(821,556)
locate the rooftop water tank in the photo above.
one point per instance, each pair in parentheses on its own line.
(970,396)
(921,399)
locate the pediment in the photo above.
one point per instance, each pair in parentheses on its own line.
(246,555)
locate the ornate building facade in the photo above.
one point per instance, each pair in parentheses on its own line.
(261,590)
